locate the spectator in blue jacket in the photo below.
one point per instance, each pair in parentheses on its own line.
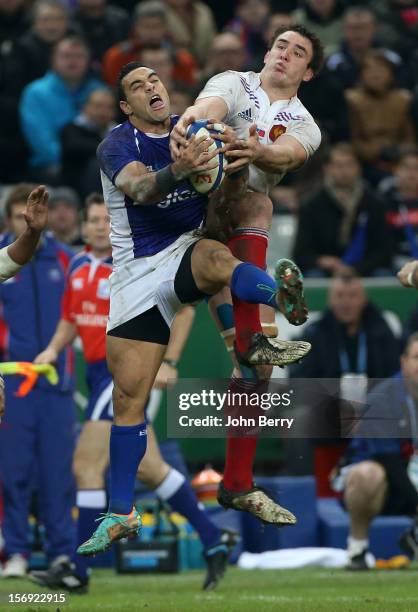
(379,473)
(51,102)
(37,432)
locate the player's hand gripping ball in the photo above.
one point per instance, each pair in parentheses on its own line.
(209,180)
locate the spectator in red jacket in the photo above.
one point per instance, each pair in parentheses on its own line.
(150,30)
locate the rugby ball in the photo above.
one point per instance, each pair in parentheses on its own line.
(207,182)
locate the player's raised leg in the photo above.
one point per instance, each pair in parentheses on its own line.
(133,365)
(214,267)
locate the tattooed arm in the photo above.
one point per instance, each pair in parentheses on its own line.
(146,187)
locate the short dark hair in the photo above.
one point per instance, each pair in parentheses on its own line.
(317,60)
(126,69)
(91,200)
(18,195)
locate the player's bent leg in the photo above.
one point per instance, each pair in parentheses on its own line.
(134,365)
(365,494)
(172,487)
(91,456)
(213,266)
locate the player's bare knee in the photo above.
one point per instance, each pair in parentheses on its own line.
(152,473)
(88,474)
(367,477)
(125,398)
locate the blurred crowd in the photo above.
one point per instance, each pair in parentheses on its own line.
(59,61)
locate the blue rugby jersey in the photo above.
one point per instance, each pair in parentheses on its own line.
(143,230)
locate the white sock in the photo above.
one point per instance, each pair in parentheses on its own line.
(356,547)
(170,485)
(91,498)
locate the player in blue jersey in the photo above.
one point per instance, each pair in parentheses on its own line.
(160,263)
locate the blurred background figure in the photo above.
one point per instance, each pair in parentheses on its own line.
(350,336)
(22,61)
(324,17)
(343,226)
(50,23)
(359,37)
(398,24)
(13,20)
(80,139)
(64,217)
(38,431)
(380,115)
(375,474)
(192,26)
(400,196)
(101,25)
(227,53)
(180,99)
(49,103)
(251,18)
(150,30)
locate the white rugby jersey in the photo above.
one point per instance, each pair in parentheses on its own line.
(248,103)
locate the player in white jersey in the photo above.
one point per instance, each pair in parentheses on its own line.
(275,134)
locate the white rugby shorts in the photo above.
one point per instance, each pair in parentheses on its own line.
(142,283)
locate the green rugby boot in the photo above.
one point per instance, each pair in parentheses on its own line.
(112,527)
(290,298)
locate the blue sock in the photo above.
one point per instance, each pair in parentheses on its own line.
(90,503)
(127,447)
(253,285)
(175,490)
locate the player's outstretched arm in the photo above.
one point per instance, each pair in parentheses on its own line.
(214,108)
(64,335)
(13,257)
(146,187)
(408,275)
(285,154)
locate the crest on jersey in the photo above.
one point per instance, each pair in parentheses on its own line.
(103,289)
(276,131)
(77,284)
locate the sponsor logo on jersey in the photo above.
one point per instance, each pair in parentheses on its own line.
(177,196)
(276,131)
(247,115)
(103,289)
(91,320)
(261,132)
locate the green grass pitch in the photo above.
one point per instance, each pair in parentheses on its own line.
(304,590)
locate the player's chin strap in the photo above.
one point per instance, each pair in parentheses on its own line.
(269,329)
(31,372)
